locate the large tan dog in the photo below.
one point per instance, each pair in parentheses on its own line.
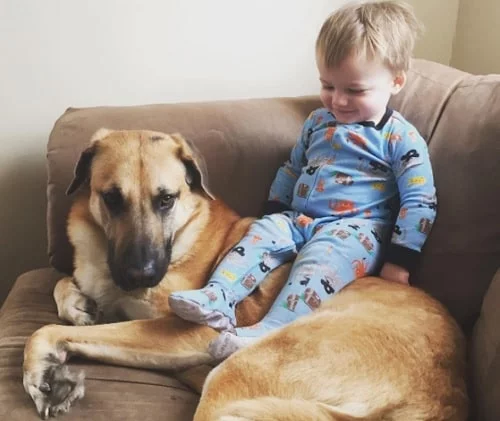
(144,224)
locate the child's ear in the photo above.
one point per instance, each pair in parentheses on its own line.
(398,82)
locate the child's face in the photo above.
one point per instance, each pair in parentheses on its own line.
(358,89)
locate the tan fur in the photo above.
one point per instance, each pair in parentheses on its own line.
(376,351)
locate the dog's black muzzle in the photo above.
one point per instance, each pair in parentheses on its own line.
(140,265)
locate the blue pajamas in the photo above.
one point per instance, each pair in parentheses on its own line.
(346,186)
(329,253)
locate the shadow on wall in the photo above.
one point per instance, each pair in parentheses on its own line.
(23,242)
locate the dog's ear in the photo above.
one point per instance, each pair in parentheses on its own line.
(196,170)
(82,168)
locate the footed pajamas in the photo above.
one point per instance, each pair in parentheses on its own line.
(342,190)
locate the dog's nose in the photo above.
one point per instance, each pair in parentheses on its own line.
(142,276)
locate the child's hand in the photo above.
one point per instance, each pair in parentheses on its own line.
(395,273)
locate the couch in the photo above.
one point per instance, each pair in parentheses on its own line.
(244,141)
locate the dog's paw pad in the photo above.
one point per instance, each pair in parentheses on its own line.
(91,308)
(59,389)
(63,385)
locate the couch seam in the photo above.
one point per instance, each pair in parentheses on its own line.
(186,389)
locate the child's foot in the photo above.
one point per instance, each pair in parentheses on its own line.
(227,343)
(207,306)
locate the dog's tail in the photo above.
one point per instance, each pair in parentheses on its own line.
(279,409)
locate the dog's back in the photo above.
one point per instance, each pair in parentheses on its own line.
(378,350)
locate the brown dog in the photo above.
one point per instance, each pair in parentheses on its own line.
(144,225)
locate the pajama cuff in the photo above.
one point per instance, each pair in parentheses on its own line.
(272,206)
(402,256)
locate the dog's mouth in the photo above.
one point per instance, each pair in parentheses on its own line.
(139,267)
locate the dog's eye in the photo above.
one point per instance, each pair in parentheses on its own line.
(113,199)
(166,201)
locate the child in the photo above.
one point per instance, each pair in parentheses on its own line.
(333,204)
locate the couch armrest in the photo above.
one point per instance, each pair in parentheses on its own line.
(485,355)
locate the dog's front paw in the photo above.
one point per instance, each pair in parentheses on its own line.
(49,382)
(56,391)
(80,310)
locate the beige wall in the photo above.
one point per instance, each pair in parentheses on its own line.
(477,43)
(439,18)
(59,53)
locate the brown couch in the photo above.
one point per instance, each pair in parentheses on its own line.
(244,142)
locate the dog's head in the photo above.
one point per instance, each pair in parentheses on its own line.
(145,187)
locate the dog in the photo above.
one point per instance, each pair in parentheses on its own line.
(144,224)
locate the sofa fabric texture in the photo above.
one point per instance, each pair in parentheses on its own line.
(485,355)
(244,142)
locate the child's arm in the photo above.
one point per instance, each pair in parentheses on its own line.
(413,170)
(281,192)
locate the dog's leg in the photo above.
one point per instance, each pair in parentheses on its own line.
(194,377)
(166,343)
(72,305)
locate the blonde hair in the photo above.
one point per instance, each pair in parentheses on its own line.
(384,30)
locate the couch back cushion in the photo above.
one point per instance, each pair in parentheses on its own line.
(459,114)
(245,141)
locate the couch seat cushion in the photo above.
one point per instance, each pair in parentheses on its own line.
(126,393)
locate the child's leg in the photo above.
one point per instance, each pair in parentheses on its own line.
(269,243)
(336,255)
